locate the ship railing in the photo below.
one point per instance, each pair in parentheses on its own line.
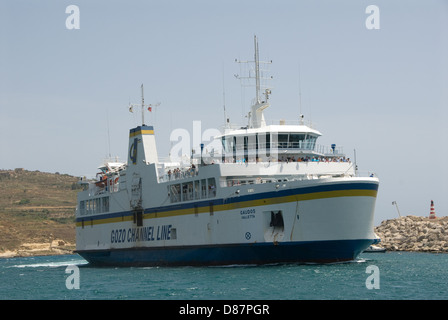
(285,159)
(181,173)
(236,126)
(297,122)
(291,147)
(310,147)
(98,188)
(364,174)
(262,180)
(178,174)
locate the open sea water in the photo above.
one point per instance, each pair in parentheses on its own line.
(377,276)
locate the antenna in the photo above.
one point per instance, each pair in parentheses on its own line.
(108,131)
(131,106)
(396,205)
(257,71)
(255,116)
(143,103)
(224,97)
(257,76)
(300,94)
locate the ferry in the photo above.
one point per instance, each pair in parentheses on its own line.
(271,194)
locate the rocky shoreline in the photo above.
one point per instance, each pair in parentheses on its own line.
(414,233)
(55,247)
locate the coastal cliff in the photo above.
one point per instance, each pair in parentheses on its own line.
(414,233)
(37,213)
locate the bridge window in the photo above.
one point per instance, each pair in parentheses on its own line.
(82,208)
(105,204)
(296,140)
(197,189)
(174,192)
(203,188)
(211,187)
(192,190)
(282,140)
(310,142)
(91,206)
(224,144)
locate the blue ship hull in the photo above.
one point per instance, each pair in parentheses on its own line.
(215,255)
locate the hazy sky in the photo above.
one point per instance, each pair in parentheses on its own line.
(64,93)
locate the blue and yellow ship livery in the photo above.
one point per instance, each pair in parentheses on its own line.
(270,195)
(224,213)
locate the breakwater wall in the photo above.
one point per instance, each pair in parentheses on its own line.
(414,233)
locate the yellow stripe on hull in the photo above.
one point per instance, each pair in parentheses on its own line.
(238,205)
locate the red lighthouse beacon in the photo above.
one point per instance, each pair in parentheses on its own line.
(432,212)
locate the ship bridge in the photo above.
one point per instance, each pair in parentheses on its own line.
(275,143)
